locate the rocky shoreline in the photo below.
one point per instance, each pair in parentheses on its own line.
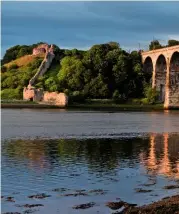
(169,205)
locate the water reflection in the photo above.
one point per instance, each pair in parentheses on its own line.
(163,157)
(158,154)
(115,165)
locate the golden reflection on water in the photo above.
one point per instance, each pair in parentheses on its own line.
(152,161)
(158,161)
(158,155)
(165,165)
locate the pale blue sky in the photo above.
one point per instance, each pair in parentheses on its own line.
(83,24)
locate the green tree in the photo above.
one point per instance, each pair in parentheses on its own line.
(155,45)
(23,51)
(71,74)
(3,69)
(114,45)
(173,42)
(51,84)
(101,72)
(120,71)
(9,94)
(151,94)
(96,88)
(13,67)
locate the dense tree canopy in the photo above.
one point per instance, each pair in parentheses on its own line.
(173,42)
(155,45)
(103,71)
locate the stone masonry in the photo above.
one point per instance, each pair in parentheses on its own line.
(55,98)
(165,73)
(38,95)
(49,56)
(40,49)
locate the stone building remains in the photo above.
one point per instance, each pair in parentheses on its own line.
(38,95)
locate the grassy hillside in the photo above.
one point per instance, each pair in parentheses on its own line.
(23,61)
(16,74)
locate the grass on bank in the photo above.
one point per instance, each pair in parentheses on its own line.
(86,105)
(18,102)
(103,105)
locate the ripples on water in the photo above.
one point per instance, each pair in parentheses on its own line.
(27,123)
(117,166)
(111,152)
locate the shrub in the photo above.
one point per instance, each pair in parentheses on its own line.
(11,94)
(137,101)
(66,91)
(35,63)
(151,94)
(13,66)
(76,96)
(117,97)
(144,101)
(3,69)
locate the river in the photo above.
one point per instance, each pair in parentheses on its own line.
(77,157)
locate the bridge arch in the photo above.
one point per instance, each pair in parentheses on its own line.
(148,67)
(174,57)
(165,73)
(174,71)
(160,76)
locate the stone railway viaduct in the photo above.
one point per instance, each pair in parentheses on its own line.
(163,64)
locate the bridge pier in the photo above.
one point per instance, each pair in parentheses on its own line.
(153,78)
(167,86)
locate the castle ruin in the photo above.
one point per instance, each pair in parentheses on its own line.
(33,94)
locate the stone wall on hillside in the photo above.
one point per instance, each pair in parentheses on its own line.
(50,98)
(33,94)
(49,56)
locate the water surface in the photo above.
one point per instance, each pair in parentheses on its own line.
(113,152)
(55,123)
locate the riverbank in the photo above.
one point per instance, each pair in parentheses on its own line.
(94,105)
(165,206)
(100,106)
(27,105)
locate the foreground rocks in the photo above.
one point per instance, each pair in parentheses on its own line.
(30,205)
(171,187)
(169,205)
(119,204)
(84,206)
(10,199)
(39,196)
(140,190)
